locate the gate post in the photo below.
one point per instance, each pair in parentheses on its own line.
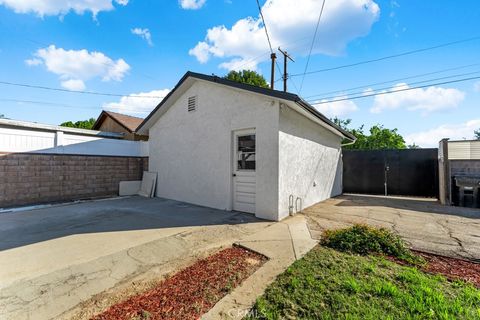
(444,173)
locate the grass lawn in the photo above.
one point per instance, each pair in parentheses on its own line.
(328,284)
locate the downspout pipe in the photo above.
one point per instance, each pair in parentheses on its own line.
(348,143)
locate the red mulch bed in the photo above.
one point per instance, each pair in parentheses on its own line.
(451,268)
(191,292)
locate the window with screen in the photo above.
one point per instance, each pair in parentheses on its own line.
(246,152)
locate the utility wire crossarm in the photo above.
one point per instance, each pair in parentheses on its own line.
(286,57)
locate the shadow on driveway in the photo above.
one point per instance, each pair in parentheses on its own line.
(427,205)
(27,227)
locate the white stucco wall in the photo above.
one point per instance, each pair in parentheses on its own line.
(192,151)
(310,164)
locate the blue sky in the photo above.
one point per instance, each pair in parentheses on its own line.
(142,48)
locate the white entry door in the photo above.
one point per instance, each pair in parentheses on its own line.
(244,163)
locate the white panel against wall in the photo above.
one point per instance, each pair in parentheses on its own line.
(20,140)
(464,150)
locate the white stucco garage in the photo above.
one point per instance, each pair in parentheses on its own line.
(233,146)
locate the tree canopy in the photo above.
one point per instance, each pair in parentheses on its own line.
(2,116)
(248,77)
(477,134)
(379,137)
(82,124)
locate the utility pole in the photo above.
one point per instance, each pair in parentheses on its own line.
(285,74)
(272,79)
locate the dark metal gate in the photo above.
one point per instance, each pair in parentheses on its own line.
(407,172)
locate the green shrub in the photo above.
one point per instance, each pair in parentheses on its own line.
(364,240)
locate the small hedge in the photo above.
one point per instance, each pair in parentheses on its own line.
(364,240)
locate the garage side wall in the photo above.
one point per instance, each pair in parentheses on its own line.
(310,166)
(192,151)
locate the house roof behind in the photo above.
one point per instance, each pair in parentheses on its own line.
(265,91)
(128,122)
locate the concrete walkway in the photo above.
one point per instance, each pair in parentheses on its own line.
(283,243)
(425,224)
(52,259)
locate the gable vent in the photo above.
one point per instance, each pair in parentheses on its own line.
(192,103)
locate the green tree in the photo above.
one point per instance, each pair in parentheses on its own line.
(2,116)
(248,77)
(379,137)
(477,134)
(82,124)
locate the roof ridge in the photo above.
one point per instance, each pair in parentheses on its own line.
(122,114)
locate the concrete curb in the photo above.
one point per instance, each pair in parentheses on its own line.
(283,243)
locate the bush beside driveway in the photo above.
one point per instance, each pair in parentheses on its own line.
(423,223)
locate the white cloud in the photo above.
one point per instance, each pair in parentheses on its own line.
(33,62)
(79,64)
(427,100)
(201,51)
(73,84)
(239,64)
(336,109)
(290,23)
(476,86)
(144,34)
(430,138)
(138,104)
(60,7)
(192,4)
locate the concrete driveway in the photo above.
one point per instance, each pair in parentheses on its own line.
(424,223)
(51,259)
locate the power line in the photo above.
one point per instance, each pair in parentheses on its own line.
(264,26)
(26,85)
(393,91)
(268,37)
(293,82)
(48,103)
(311,47)
(62,105)
(366,86)
(388,57)
(413,83)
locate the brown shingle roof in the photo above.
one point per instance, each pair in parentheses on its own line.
(129,122)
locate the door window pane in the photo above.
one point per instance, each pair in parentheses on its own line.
(246,152)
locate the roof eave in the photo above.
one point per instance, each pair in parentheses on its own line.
(273,93)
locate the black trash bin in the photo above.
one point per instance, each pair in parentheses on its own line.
(468,188)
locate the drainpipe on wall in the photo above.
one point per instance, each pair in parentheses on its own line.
(348,144)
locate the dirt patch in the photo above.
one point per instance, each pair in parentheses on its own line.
(452,268)
(191,292)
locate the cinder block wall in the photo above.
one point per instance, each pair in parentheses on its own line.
(465,167)
(40,178)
